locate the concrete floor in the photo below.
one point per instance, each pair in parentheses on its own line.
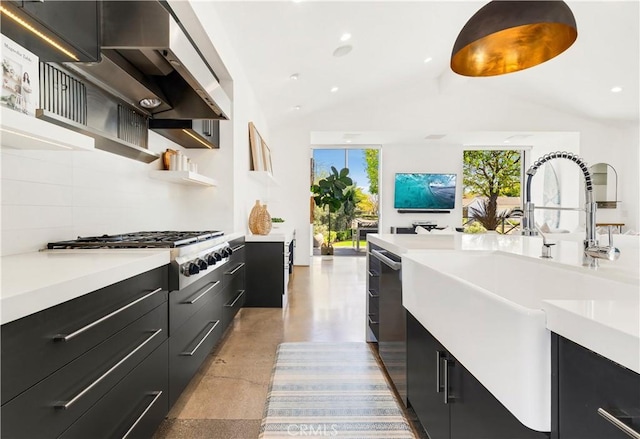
(226,397)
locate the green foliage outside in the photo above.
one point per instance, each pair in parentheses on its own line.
(335,193)
(371,158)
(491,174)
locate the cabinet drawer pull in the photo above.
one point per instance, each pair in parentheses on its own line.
(67,337)
(439,356)
(66,405)
(156,396)
(371,322)
(191,302)
(235,249)
(190,354)
(237,298)
(373,296)
(447,363)
(373,273)
(618,423)
(235,269)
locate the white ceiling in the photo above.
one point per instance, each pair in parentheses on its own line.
(391,40)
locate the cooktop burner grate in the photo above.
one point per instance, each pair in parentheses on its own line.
(155,239)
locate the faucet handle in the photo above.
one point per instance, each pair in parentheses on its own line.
(546,250)
(609,252)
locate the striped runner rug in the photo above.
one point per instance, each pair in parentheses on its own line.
(330,390)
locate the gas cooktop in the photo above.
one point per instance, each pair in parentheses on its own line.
(155,239)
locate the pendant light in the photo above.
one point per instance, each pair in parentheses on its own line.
(508,36)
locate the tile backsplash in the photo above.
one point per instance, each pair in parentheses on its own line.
(51,195)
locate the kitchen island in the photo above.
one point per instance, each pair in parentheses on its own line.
(500,312)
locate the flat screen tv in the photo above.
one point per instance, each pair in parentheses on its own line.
(424,191)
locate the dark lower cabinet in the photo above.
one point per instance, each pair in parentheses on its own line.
(373,297)
(190,345)
(132,409)
(86,367)
(425,391)
(267,273)
(448,400)
(592,393)
(234,295)
(392,339)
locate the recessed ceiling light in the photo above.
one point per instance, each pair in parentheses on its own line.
(506,141)
(616,89)
(342,50)
(348,141)
(297,107)
(429,59)
(345,37)
(294,77)
(334,89)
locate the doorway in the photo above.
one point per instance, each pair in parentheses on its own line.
(348,227)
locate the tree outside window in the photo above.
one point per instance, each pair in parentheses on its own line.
(488,176)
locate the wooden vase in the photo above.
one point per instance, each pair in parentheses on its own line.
(253,217)
(263,221)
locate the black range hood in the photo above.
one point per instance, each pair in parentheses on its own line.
(190,133)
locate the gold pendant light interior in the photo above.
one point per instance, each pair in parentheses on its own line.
(508,36)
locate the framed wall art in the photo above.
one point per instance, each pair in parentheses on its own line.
(257,154)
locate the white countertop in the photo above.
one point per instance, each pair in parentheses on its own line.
(35,281)
(608,327)
(278,234)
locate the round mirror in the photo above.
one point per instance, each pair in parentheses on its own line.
(605,185)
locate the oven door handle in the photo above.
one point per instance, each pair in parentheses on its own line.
(67,337)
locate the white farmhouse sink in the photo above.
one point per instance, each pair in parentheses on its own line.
(486,309)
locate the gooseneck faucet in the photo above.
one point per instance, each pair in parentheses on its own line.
(592,251)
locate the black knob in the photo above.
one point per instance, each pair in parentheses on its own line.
(217,255)
(202,265)
(193,269)
(211,259)
(229,251)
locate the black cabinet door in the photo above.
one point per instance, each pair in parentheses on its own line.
(392,341)
(588,382)
(132,409)
(190,345)
(373,295)
(477,414)
(52,405)
(264,274)
(32,350)
(425,380)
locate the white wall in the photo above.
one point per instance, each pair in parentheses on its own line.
(205,26)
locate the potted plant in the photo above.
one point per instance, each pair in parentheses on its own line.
(333,192)
(486,213)
(276,222)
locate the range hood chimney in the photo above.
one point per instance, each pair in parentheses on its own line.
(146,57)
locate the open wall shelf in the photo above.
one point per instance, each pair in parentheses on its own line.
(183,177)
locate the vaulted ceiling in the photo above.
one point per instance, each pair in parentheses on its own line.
(391,40)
